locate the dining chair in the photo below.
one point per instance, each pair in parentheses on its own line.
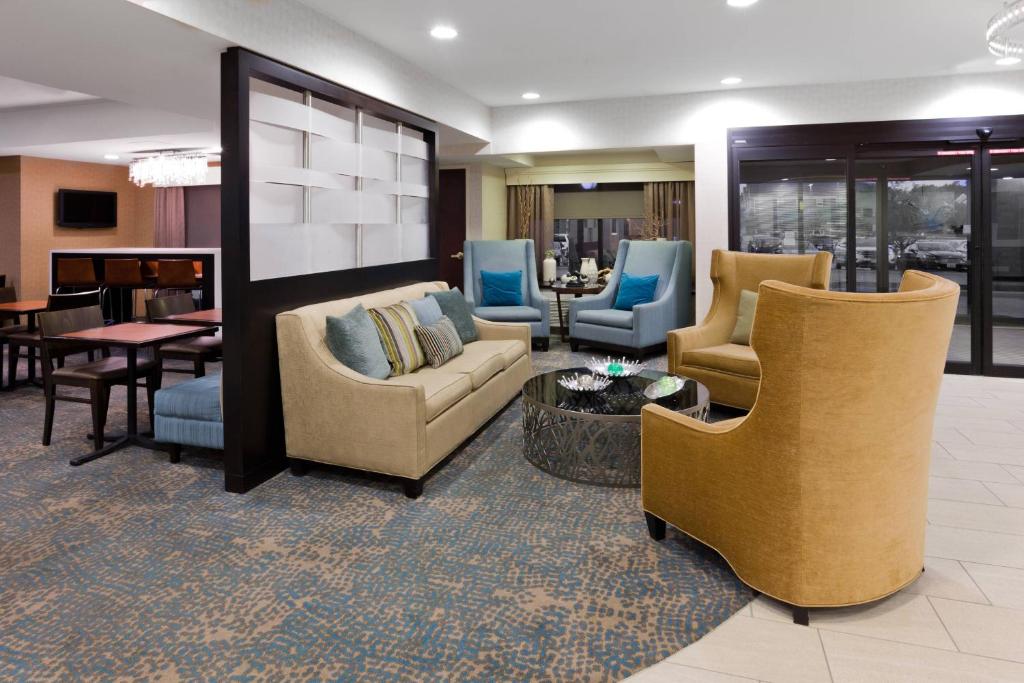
(9,323)
(119,274)
(76,273)
(198,351)
(31,339)
(97,376)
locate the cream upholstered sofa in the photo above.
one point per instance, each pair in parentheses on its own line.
(401,426)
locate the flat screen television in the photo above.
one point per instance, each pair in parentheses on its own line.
(86,209)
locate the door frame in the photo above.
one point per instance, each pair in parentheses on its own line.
(851,141)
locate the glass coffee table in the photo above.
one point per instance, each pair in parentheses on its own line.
(594,437)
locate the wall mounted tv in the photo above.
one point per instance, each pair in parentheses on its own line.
(86,209)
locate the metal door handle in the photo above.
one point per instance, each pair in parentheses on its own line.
(458,256)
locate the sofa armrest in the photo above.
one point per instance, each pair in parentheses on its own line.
(696,337)
(491,330)
(333,414)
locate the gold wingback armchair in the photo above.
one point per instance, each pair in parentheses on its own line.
(730,371)
(817,497)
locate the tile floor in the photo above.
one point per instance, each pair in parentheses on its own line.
(963,620)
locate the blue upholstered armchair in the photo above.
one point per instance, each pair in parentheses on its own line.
(594,320)
(506,256)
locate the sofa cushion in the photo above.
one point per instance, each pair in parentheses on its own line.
(510,350)
(440,341)
(501,288)
(353,340)
(442,388)
(509,314)
(734,358)
(479,360)
(635,290)
(396,327)
(607,317)
(194,399)
(427,310)
(744,317)
(454,305)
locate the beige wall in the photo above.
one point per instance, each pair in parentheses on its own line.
(494,203)
(10,220)
(39,181)
(610,204)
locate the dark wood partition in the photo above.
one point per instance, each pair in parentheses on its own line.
(254,445)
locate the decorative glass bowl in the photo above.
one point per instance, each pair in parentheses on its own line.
(615,367)
(664,387)
(584,383)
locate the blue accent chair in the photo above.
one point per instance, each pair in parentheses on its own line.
(504,256)
(594,321)
(189,414)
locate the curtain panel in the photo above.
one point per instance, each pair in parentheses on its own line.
(169,217)
(531,215)
(669,210)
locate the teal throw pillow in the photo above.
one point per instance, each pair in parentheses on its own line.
(426,309)
(353,340)
(502,289)
(635,290)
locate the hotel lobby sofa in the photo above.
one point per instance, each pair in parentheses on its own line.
(505,256)
(594,320)
(818,496)
(704,352)
(189,414)
(401,426)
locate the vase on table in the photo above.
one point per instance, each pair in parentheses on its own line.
(589,268)
(550,270)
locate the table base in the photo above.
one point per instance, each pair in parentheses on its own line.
(123,442)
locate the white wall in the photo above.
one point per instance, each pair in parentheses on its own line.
(293,33)
(702,119)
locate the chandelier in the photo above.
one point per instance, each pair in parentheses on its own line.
(999,27)
(169,169)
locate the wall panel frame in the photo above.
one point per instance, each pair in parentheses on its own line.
(254,445)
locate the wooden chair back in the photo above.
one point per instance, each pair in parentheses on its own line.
(76,272)
(122,272)
(164,306)
(175,274)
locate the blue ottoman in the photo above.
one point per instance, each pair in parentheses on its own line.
(188,414)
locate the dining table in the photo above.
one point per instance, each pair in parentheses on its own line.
(29,308)
(209,316)
(131,337)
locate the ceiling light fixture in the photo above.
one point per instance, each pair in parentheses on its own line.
(741,3)
(442,32)
(997,33)
(1007,61)
(1009,177)
(531,95)
(169,169)
(111,157)
(732,80)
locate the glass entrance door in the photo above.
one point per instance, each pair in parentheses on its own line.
(1004,296)
(914,211)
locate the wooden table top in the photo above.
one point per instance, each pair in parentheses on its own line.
(212,316)
(27,306)
(135,334)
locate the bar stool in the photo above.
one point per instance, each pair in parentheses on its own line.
(76,273)
(122,273)
(177,274)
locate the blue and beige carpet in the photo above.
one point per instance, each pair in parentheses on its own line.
(131,567)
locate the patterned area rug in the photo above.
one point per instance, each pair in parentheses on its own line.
(132,567)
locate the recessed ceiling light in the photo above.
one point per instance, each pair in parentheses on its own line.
(530,95)
(994,170)
(1009,177)
(442,32)
(829,159)
(741,3)
(732,80)
(785,179)
(1007,61)
(111,157)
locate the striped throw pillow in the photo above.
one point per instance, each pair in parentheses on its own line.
(396,327)
(440,341)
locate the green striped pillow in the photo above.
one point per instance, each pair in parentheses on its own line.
(396,327)
(440,341)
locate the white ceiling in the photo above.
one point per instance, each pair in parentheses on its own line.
(575,50)
(15,93)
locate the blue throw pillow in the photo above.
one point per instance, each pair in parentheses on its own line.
(502,289)
(426,309)
(635,290)
(454,305)
(353,340)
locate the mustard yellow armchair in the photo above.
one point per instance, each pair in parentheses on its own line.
(730,371)
(818,496)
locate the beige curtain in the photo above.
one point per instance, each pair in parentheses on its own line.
(531,215)
(169,218)
(668,207)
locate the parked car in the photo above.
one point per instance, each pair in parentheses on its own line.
(765,244)
(936,255)
(866,256)
(822,242)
